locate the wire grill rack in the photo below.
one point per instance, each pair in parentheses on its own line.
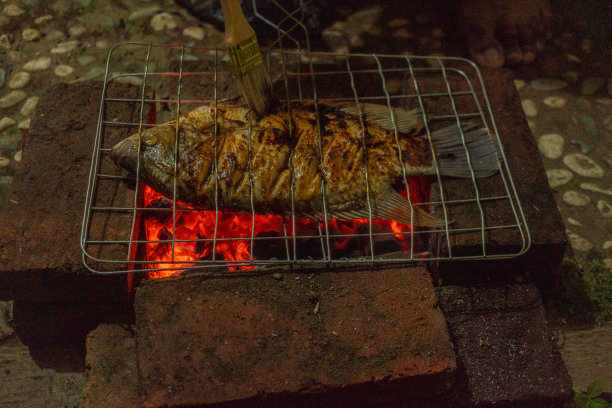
(172,80)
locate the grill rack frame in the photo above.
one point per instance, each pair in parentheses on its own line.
(415,66)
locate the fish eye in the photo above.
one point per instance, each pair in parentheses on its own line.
(149,140)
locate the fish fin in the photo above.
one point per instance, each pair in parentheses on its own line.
(406,121)
(231,101)
(389,205)
(451,152)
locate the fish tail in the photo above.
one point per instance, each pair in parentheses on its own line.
(459,151)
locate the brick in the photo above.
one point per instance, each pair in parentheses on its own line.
(544,221)
(504,347)
(112,373)
(375,337)
(40,253)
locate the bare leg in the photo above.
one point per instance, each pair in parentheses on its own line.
(499,32)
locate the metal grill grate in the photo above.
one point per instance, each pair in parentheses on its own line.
(172,80)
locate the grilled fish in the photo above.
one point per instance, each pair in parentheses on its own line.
(341,161)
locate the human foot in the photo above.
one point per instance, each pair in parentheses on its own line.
(499,32)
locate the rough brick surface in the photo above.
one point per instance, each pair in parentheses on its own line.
(40,254)
(375,337)
(505,350)
(258,342)
(112,374)
(543,218)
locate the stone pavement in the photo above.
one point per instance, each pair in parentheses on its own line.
(588,355)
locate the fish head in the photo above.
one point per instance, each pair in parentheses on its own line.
(150,154)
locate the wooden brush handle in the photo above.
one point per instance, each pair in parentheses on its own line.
(237,28)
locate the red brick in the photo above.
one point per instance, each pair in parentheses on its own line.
(112,374)
(543,219)
(504,346)
(40,253)
(377,336)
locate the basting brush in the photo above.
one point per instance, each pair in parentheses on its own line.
(245,57)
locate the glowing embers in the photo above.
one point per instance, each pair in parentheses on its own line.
(210,238)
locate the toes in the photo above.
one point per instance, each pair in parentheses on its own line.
(539,31)
(540,35)
(483,47)
(492,57)
(528,57)
(508,34)
(519,41)
(514,56)
(539,45)
(513,34)
(527,42)
(546,19)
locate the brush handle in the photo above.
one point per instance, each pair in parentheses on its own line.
(237,28)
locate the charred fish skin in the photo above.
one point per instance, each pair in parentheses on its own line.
(137,152)
(288,159)
(279,146)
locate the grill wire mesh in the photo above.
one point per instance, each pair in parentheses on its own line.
(173,80)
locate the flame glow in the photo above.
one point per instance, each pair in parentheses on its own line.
(233,234)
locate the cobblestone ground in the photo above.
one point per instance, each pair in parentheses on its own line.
(566,93)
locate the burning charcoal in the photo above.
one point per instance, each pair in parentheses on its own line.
(385,246)
(162,202)
(158,250)
(209,257)
(355,247)
(308,248)
(270,248)
(268,234)
(201,245)
(164,234)
(364,228)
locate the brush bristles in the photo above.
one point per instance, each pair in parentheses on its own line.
(255,86)
(253,78)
